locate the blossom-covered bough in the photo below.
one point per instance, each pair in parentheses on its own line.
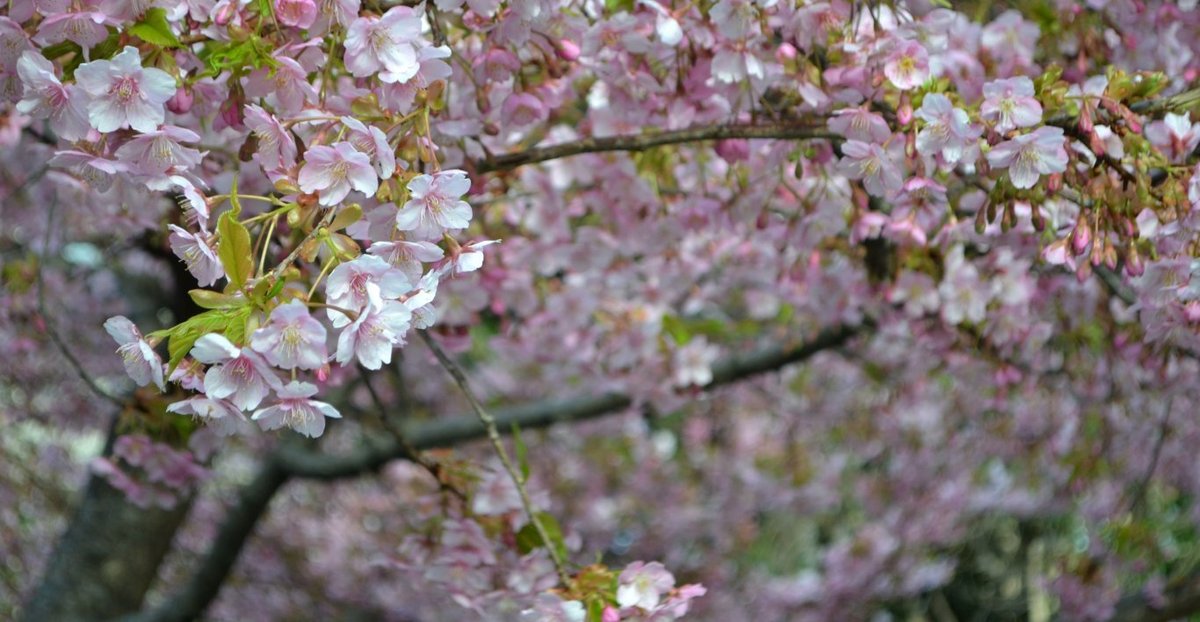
(335,239)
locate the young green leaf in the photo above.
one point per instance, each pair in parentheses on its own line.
(155,30)
(234,250)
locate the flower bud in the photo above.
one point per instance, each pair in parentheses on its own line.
(567,50)
(733,149)
(785,53)
(181,102)
(1055,182)
(1133,262)
(1035,216)
(1081,236)
(904,115)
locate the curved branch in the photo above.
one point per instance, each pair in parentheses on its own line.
(813,128)
(459,429)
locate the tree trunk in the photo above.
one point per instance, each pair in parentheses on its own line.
(107,559)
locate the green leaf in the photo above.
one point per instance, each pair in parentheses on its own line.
(234,249)
(155,30)
(228,322)
(208,299)
(676,329)
(522,452)
(528,538)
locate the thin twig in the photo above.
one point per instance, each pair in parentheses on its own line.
(494,436)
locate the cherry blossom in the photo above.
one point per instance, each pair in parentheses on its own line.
(385,46)
(435,205)
(907,66)
(197,254)
(1010,104)
(1029,156)
(141,362)
(947,132)
(379,327)
(294,410)
(878,167)
(237,374)
(47,97)
(642,585)
(1175,135)
(292,338)
(333,171)
(123,93)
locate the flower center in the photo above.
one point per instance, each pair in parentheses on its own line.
(125,89)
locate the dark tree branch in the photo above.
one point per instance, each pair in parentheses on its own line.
(455,430)
(641,142)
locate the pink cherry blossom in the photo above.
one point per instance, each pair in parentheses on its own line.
(879,168)
(296,411)
(296,13)
(197,254)
(860,124)
(291,338)
(286,85)
(47,97)
(276,147)
(142,363)
(435,205)
(947,132)
(333,171)
(521,109)
(379,328)
(88,29)
(373,142)
(693,363)
(347,285)
(385,45)
(1029,156)
(123,93)
(1175,135)
(642,585)
(907,66)
(154,157)
(237,374)
(1010,104)
(408,256)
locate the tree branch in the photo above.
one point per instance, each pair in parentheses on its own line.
(459,429)
(641,142)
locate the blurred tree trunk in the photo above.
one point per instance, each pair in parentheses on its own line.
(107,559)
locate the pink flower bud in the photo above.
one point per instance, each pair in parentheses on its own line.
(1133,262)
(1055,182)
(567,50)
(733,149)
(181,102)
(610,615)
(225,14)
(905,114)
(785,52)
(1081,237)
